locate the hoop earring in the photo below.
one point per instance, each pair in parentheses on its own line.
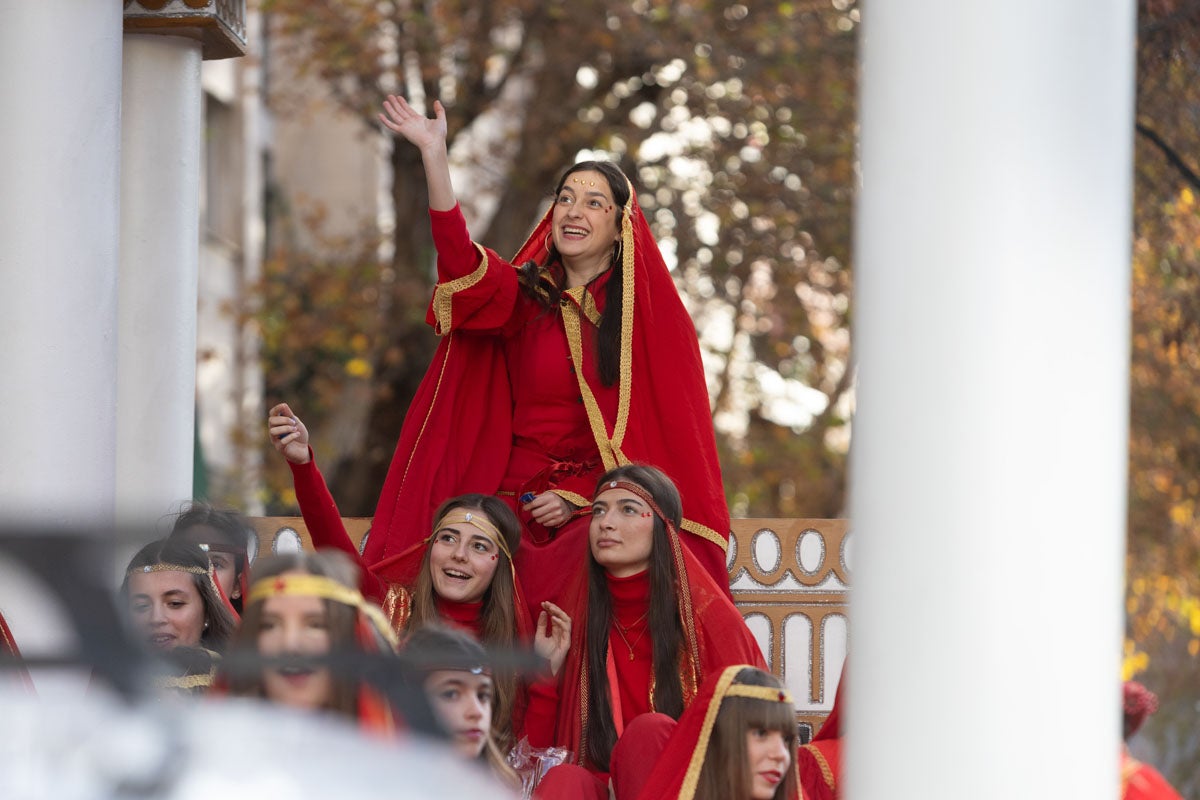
(546,244)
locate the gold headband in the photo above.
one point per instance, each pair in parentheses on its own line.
(760,693)
(725,688)
(164,568)
(325,589)
(457,515)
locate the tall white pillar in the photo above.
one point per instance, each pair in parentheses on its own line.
(59,197)
(988,476)
(160,218)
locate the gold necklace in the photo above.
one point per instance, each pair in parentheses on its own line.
(622,629)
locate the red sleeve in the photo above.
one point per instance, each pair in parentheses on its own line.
(477,289)
(324,522)
(541,713)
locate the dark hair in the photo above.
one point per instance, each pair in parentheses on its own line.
(217,617)
(499,624)
(608,338)
(726,772)
(341,618)
(232,529)
(667,640)
(434,648)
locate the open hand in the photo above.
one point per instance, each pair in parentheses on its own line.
(552,639)
(402,119)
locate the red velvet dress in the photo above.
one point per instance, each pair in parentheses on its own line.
(512,403)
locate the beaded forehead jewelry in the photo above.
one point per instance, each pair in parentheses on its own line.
(485,526)
(582,182)
(165,568)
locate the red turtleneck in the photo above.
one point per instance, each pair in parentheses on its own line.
(468,616)
(629,636)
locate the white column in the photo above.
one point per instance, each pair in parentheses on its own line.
(59,199)
(988,483)
(160,186)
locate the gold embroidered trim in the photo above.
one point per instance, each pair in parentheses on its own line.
(692,777)
(706,532)
(482,523)
(590,310)
(397,607)
(203,680)
(826,771)
(577,500)
(571,324)
(444,293)
(627,298)
(289,585)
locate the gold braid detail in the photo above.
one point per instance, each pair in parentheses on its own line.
(571,323)
(290,585)
(705,532)
(628,262)
(443,293)
(484,525)
(572,498)
(589,309)
(826,771)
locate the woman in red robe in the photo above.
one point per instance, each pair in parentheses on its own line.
(639,579)
(574,358)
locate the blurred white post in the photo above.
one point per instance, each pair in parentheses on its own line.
(59,199)
(161,137)
(988,484)
(160,235)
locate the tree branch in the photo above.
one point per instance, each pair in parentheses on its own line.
(1173,157)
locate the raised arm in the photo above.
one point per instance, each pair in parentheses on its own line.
(429,136)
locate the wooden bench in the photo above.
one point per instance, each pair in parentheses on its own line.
(789,577)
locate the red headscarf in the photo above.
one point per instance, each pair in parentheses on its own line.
(714,636)
(662,418)
(677,773)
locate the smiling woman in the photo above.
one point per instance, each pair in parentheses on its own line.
(305,605)
(573,357)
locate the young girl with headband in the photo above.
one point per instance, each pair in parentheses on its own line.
(176,608)
(306,604)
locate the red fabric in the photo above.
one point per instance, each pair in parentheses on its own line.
(666,779)
(1143,782)
(506,432)
(630,605)
(819,763)
(8,647)
(571,782)
(720,638)
(462,615)
(637,752)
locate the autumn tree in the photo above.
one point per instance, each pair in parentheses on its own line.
(737,122)
(1163,589)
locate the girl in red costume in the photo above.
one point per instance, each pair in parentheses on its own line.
(735,742)
(573,358)
(639,579)
(305,604)
(461,575)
